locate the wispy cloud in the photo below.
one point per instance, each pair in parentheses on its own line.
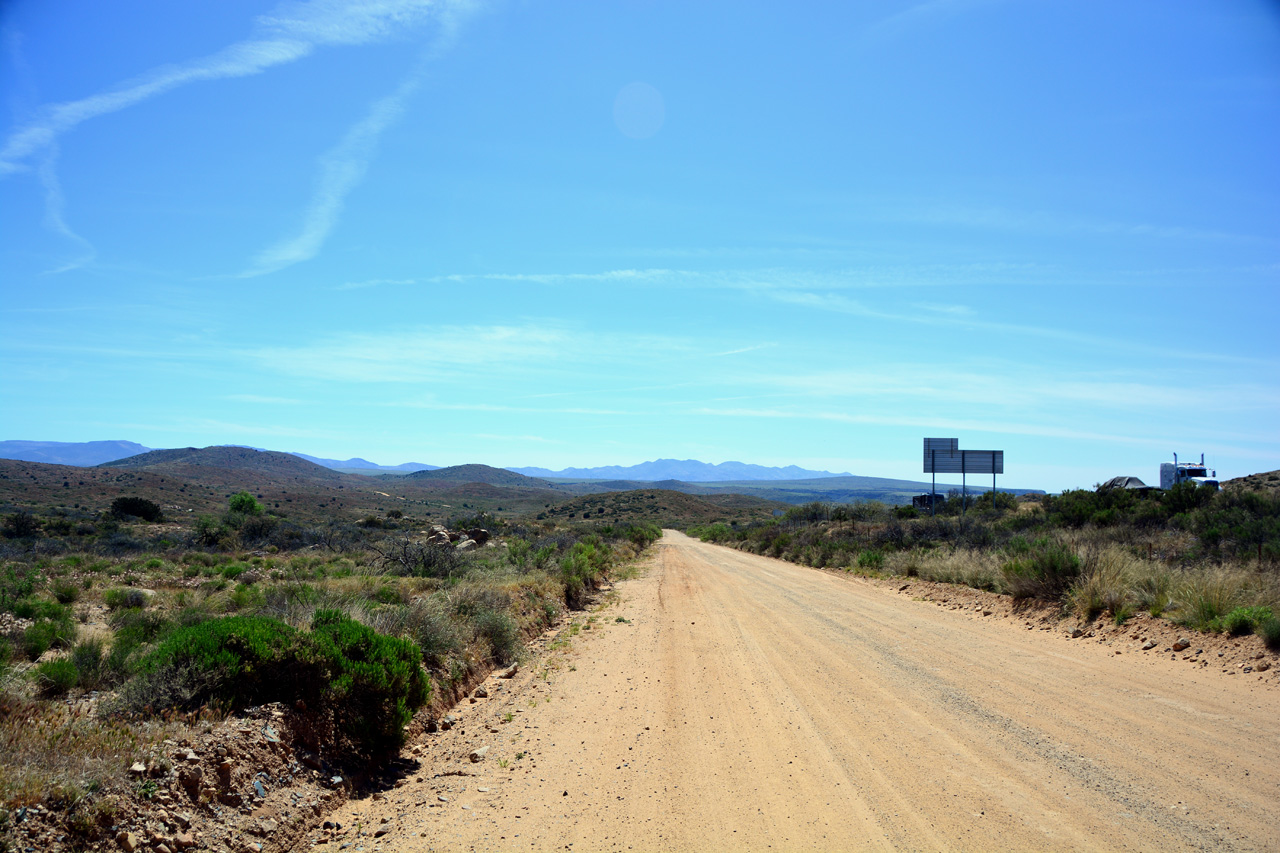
(742,350)
(292,31)
(341,170)
(55,219)
(256,398)
(420,354)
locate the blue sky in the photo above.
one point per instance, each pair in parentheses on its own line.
(554,233)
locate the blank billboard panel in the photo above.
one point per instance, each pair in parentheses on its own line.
(947,459)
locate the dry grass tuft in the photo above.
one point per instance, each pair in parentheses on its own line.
(53,753)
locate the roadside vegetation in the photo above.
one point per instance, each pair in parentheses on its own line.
(120,629)
(1205,559)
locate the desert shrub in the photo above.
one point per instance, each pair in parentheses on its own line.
(48,634)
(90,664)
(370,683)
(134,626)
(377,681)
(1202,599)
(501,633)
(209,533)
(1245,620)
(231,571)
(1104,586)
(420,560)
(19,525)
(256,528)
(1046,573)
(56,677)
(124,507)
(245,504)
(66,593)
(430,627)
(236,661)
(580,569)
(873,560)
(40,608)
(16,583)
(1269,631)
(718,532)
(1187,497)
(122,598)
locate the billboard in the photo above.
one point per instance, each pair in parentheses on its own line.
(944,456)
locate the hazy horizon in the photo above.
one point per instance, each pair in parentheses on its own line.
(557,235)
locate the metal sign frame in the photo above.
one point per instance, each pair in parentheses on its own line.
(943,455)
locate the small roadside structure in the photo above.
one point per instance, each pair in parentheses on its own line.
(928,501)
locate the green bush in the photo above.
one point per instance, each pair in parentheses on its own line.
(1047,573)
(501,633)
(56,677)
(1269,631)
(377,681)
(245,504)
(66,593)
(125,598)
(1244,620)
(370,683)
(236,661)
(431,628)
(138,507)
(873,560)
(16,583)
(90,664)
(48,634)
(20,525)
(579,571)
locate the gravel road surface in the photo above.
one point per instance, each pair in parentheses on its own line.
(752,704)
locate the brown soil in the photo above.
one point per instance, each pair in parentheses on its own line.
(751,704)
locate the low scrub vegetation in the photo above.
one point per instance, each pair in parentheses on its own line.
(164,624)
(1209,560)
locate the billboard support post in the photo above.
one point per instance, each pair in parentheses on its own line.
(944,455)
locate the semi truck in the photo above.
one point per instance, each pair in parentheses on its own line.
(1175,472)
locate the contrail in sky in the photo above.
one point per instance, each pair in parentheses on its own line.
(290,32)
(341,170)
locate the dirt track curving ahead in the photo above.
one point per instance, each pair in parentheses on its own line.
(751,704)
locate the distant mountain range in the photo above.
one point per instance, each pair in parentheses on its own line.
(83,454)
(686,470)
(358,464)
(291,482)
(90,453)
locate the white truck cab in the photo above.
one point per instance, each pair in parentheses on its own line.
(1175,472)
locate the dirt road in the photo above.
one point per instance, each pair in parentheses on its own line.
(750,704)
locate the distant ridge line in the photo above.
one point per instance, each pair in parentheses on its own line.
(684,470)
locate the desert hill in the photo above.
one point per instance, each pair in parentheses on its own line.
(203,462)
(476,474)
(1267,481)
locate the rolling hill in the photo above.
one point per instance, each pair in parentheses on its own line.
(202,463)
(476,474)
